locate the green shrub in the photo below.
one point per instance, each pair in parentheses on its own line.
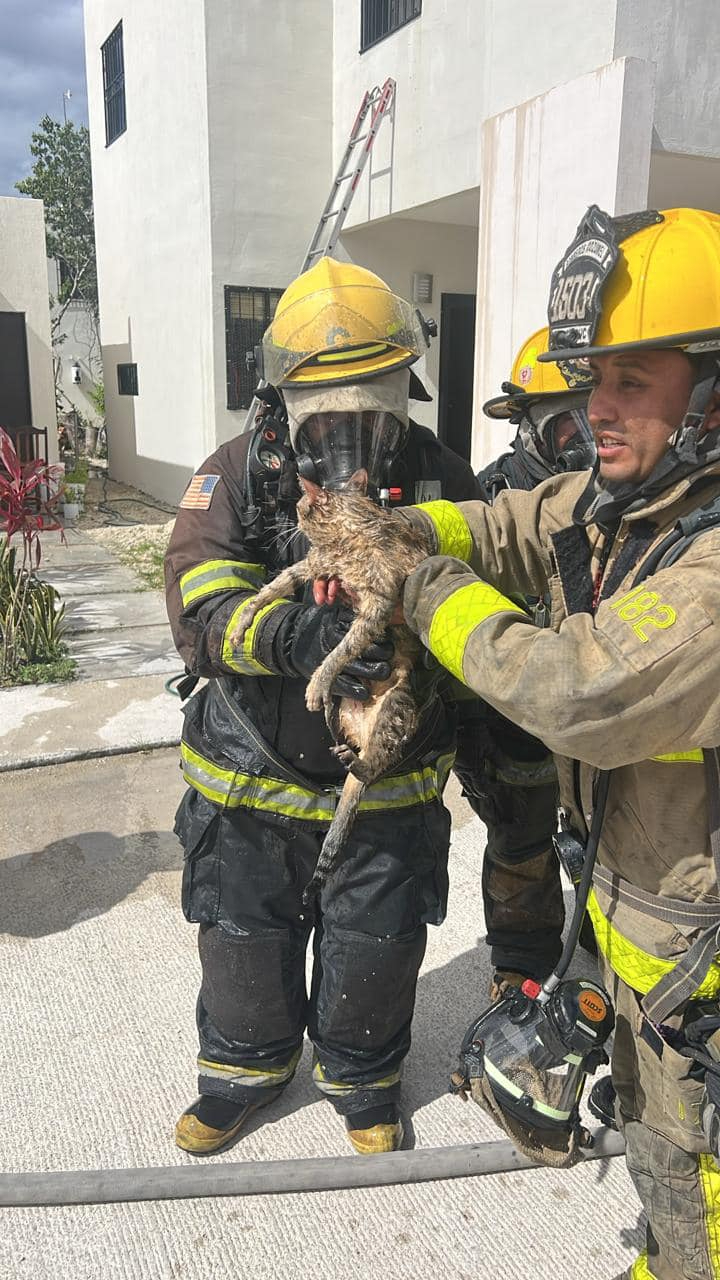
(31,626)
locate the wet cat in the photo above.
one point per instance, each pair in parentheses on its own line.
(371,552)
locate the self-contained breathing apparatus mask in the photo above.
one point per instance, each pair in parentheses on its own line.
(331,448)
(557,434)
(338,432)
(525,1059)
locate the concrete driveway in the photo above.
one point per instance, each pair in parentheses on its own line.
(99,976)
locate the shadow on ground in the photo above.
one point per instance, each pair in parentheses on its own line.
(79,878)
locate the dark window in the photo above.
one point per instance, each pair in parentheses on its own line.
(113,65)
(381,17)
(127,379)
(248,313)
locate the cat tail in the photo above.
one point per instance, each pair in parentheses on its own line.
(337,835)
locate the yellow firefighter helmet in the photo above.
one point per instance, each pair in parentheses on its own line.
(339,323)
(648,280)
(530,380)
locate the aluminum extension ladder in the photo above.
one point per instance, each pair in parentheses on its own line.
(375,106)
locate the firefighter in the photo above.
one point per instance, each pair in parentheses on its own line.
(508,776)
(625,679)
(262,782)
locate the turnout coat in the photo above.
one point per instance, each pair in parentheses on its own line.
(625,679)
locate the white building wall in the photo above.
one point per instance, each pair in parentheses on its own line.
(397,248)
(587,142)
(269,123)
(457,63)
(152,223)
(682,39)
(24,288)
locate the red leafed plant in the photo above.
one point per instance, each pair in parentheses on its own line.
(31,614)
(29,497)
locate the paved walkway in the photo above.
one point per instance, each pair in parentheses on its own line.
(116,628)
(97,1045)
(97,1039)
(119,636)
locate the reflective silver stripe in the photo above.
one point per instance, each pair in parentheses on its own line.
(249,1077)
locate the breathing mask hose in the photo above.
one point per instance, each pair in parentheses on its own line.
(584,886)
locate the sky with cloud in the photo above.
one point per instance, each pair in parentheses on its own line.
(41,55)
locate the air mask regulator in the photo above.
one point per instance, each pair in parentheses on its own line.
(525,1059)
(266,467)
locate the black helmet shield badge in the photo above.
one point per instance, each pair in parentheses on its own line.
(579,278)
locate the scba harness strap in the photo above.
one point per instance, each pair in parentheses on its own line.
(685,978)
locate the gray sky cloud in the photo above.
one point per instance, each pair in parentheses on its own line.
(41,55)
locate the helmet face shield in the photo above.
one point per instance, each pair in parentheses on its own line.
(336,445)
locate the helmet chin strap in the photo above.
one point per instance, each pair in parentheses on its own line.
(686,439)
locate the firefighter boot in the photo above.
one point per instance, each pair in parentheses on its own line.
(211,1123)
(376,1130)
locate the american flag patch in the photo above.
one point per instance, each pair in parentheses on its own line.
(199,492)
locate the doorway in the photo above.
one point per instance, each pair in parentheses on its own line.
(457,350)
(15,410)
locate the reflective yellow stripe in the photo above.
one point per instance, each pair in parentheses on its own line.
(233,790)
(337,1088)
(210,576)
(242,660)
(681,757)
(710,1185)
(640,1269)
(451,529)
(637,968)
(457,617)
(354,353)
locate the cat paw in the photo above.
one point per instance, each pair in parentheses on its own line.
(314,700)
(345,754)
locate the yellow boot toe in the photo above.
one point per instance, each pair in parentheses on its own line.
(377,1139)
(212,1123)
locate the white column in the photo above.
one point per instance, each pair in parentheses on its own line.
(585,142)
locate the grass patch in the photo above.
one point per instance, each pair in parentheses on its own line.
(146,560)
(58,671)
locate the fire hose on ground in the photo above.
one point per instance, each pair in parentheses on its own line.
(272,1177)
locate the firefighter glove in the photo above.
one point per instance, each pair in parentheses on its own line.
(313,632)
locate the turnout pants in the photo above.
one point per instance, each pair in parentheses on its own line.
(674,1174)
(243,880)
(508,778)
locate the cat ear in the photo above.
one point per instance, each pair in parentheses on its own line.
(315,495)
(358,482)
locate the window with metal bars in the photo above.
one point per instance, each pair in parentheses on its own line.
(127,379)
(379,18)
(113,65)
(248,313)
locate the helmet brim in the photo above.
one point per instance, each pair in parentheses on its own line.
(694,342)
(501,408)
